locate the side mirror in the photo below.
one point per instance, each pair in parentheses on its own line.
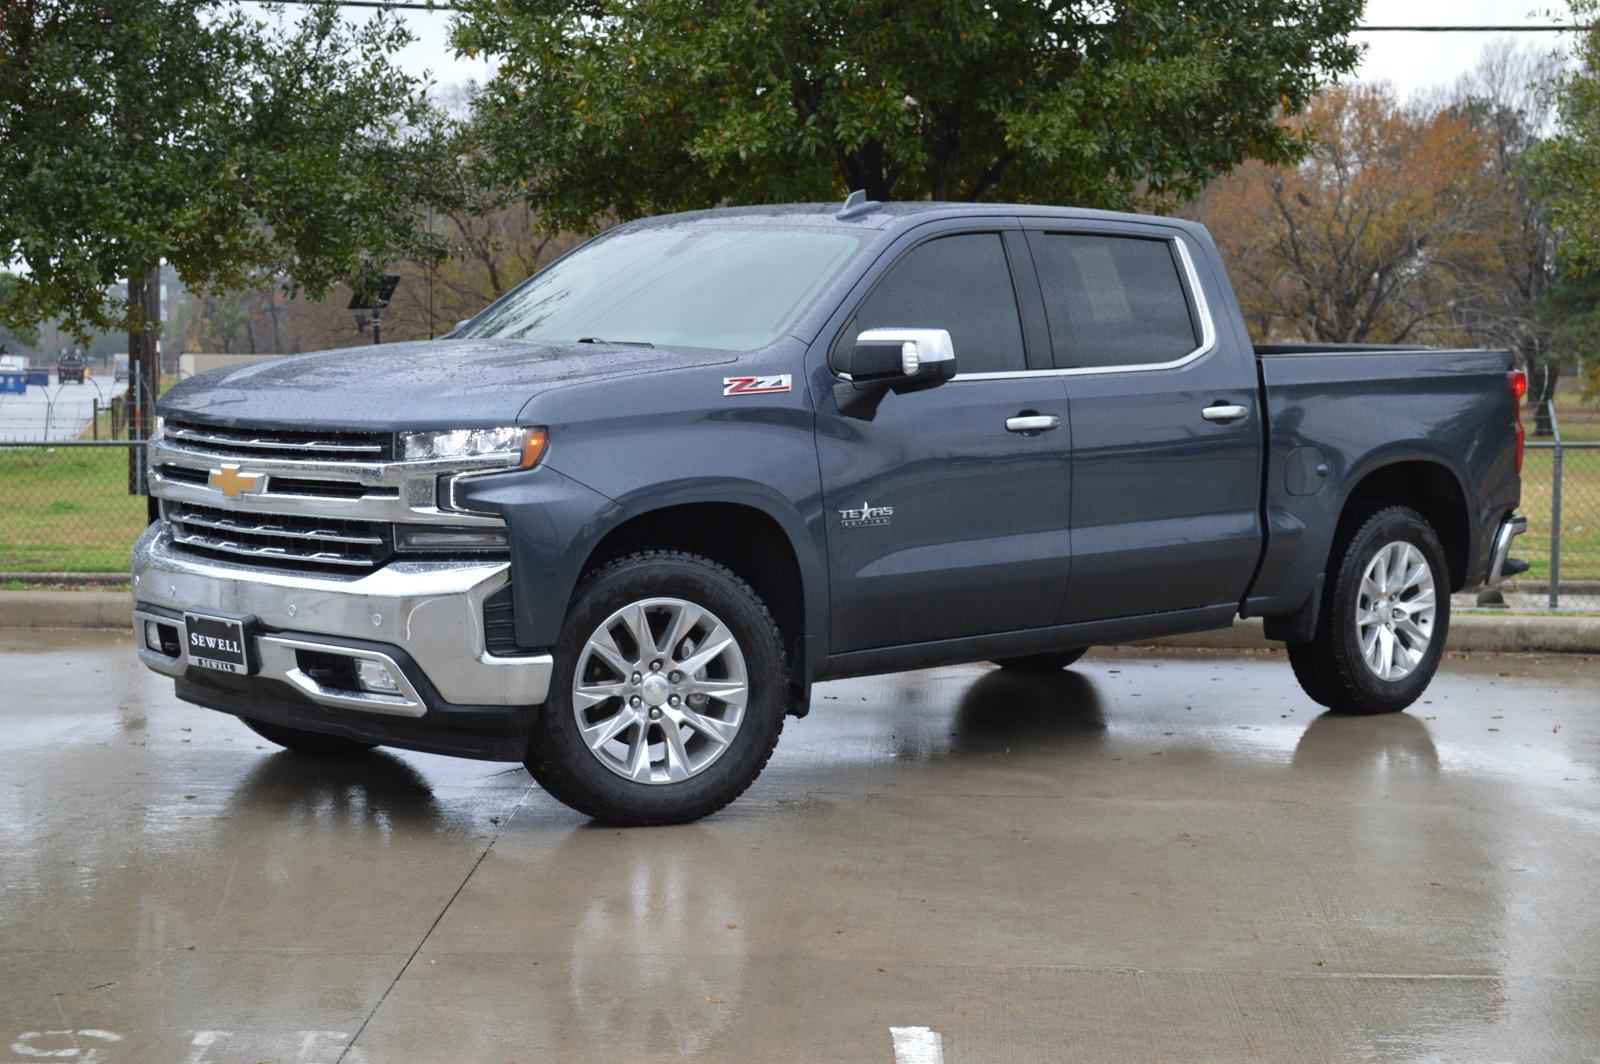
(902,359)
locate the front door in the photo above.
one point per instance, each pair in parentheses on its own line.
(942,521)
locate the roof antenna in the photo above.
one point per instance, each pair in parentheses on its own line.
(855,205)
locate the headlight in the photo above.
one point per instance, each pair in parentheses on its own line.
(519,447)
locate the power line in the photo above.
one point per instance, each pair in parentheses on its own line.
(1554,27)
(1530,27)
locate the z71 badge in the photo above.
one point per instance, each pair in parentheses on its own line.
(777,382)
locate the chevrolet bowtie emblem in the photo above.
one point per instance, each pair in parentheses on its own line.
(232,482)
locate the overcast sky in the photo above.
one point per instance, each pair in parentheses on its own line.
(1411,61)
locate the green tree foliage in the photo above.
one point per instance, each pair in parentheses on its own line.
(671,104)
(26,335)
(1567,164)
(234,147)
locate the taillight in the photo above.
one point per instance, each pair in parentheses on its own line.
(1517,385)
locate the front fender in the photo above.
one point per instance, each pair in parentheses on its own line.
(557,522)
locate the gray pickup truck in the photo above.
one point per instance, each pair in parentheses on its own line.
(615,526)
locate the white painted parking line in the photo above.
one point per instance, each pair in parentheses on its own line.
(916,1045)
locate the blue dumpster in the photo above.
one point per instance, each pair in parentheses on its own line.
(40,377)
(13,382)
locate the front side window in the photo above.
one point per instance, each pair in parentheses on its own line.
(1112,300)
(957,283)
(675,285)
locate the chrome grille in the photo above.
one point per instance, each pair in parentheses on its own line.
(281,539)
(281,443)
(295,498)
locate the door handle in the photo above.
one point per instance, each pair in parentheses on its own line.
(1032,423)
(1224,412)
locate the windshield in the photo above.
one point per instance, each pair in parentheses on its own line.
(727,289)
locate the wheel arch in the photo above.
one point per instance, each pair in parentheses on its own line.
(1426,483)
(766,544)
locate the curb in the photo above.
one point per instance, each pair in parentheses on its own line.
(1499,633)
(66,609)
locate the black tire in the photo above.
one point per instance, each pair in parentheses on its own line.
(1052,662)
(1330,667)
(306,742)
(562,763)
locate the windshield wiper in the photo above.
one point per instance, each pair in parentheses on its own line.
(616,343)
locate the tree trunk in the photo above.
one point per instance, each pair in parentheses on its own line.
(144,370)
(1542,397)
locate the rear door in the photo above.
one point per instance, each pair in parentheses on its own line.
(1166,436)
(941,521)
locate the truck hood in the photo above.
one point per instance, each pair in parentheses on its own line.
(426,384)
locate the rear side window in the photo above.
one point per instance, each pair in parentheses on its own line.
(1112,300)
(958,283)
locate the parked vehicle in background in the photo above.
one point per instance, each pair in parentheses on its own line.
(119,372)
(616,525)
(71,367)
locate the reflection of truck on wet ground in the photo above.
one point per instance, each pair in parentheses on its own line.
(619,522)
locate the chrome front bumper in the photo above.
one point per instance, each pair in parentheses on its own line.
(1509,529)
(432,611)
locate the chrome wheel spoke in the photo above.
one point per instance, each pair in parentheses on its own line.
(730,691)
(638,622)
(718,731)
(682,623)
(719,640)
(587,696)
(638,765)
(677,757)
(603,646)
(597,735)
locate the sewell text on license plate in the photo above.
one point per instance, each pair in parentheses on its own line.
(217,643)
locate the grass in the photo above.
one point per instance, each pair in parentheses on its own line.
(1580,496)
(67,510)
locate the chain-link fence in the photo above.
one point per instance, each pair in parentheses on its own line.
(67,507)
(1561,496)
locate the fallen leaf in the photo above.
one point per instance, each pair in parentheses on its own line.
(712,999)
(732,927)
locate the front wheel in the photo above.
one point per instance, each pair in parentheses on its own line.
(1382,626)
(668,693)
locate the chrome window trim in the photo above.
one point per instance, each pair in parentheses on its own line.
(1202,309)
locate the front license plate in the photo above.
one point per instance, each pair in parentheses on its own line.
(217,643)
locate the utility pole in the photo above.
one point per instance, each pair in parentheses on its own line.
(144,371)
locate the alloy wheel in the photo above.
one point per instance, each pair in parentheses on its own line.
(1394,611)
(660,690)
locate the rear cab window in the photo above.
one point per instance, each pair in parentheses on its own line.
(1113,300)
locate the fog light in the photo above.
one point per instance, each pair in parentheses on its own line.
(152,635)
(375,678)
(450,537)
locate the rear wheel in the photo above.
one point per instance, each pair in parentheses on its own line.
(668,693)
(306,742)
(1382,626)
(1053,662)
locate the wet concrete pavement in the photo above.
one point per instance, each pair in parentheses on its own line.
(1152,857)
